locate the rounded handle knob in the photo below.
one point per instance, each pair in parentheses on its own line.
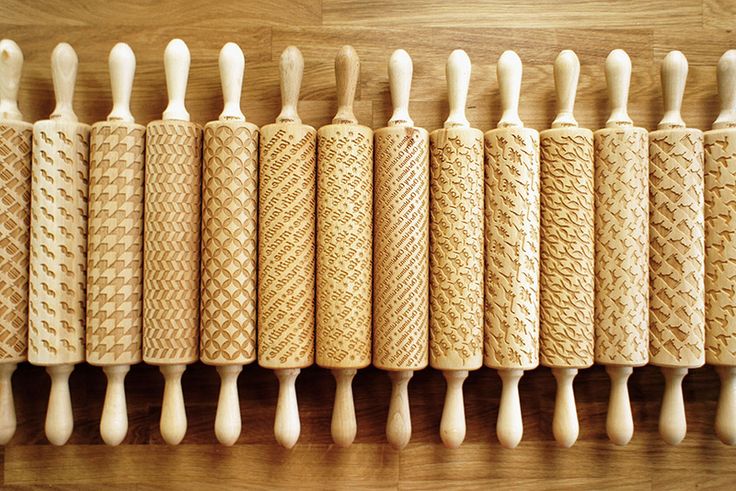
(114,421)
(619,422)
(508,72)
(565,420)
(672,420)
(452,426)
(509,425)
(59,416)
(228,423)
(347,71)
(344,425)
(173,411)
(122,72)
(398,426)
(287,426)
(176,65)
(726,73)
(292,71)
(232,67)
(457,72)
(674,76)
(567,73)
(400,72)
(64,64)
(726,410)
(11,67)
(618,80)
(7,406)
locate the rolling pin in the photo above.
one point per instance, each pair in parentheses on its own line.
(676,242)
(456,249)
(511,278)
(344,246)
(286,247)
(566,282)
(401,249)
(621,247)
(720,247)
(15,205)
(171,243)
(58,244)
(115,245)
(229,233)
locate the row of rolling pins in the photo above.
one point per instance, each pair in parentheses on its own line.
(396,247)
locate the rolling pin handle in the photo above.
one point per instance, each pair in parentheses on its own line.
(567,73)
(176,65)
(726,410)
(452,426)
(672,420)
(122,71)
(508,73)
(674,76)
(232,67)
(457,72)
(618,80)
(7,405)
(64,64)
(726,73)
(228,423)
(400,72)
(11,67)
(619,422)
(510,426)
(565,425)
(59,416)
(398,427)
(173,412)
(287,426)
(347,71)
(344,426)
(292,72)
(114,421)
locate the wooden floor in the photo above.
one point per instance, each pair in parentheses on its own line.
(428,30)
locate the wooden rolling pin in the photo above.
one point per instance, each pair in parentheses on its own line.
(171,242)
(286,247)
(58,244)
(566,248)
(720,247)
(344,246)
(621,247)
(456,249)
(401,248)
(115,245)
(676,242)
(511,249)
(229,233)
(15,206)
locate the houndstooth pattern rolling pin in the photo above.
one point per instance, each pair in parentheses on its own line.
(286,247)
(171,243)
(511,323)
(456,249)
(229,232)
(115,245)
(58,244)
(15,202)
(344,246)
(676,242)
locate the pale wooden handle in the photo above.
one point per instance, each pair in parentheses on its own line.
(64,64)
(122,72)
(228,423)
(176,65)
(726,73)
(672,421)
(452,425)
(173,412)
(7,405)
(232,67)
(11,67)
(508,72)
(347,71)
(344,426)
(567,73)
(674,77)
(618,80)
(619,422)
(287,426)
(510,426)
(59,415)
(114,421)
(400,71)
(726,410)
(457,73)
(292,71)
(565,420)
(398,425)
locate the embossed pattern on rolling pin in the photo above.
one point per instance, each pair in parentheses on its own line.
(229,233)
(676,256)
(621,246)
(171,242)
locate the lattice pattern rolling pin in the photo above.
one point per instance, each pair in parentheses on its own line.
(58,244)
(400,253)
(621,247)
(286,247)
(344,246)
(676,242)
(229,232)
(511,249)
(115,245)
(456,249)
(15,205)
(171,242)
(566,248)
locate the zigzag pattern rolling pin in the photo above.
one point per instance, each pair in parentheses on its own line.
(456,249)
(566,248)
(344,246)
(511,278)
(171,243)
(621,247)
(58,244)
(676,242)
(115,245)
(286,247)
(229,233)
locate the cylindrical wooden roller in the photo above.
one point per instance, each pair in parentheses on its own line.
(456,249)
(566,248)
(58,244)
(511,277)
(286,247)
(171,243)
(115,245)
(720,247)
(229,233)
(676,242)
(621,247)
(344,246)
(15,205)
(401,247)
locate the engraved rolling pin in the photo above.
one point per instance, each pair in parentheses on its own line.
(511,277)
(720,247)
(344,246)
(401,247)
(286,247)
(171,243)
(229,232)
(59,244)
(621,247)
(15,205)
(115,245)
(676,242)
(456,249)
(566,248)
